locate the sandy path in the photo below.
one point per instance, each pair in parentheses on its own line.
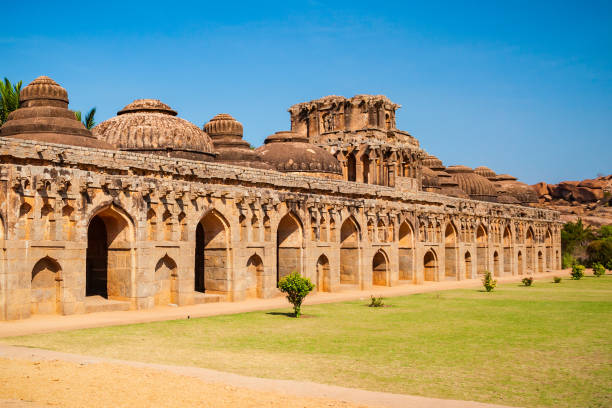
(51,323)
(70,380)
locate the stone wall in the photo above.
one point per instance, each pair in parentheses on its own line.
(180,231)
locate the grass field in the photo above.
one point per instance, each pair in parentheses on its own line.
(549,345)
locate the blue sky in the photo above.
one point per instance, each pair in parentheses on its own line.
(523,87)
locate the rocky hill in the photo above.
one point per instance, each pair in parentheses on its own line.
(590,199)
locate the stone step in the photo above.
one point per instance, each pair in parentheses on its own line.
(200,297)
(99,304)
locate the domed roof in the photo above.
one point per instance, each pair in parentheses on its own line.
(290,152)
(433,162)
(505,177)
(151,126)
(43,115)
(485,172)
(430,179)
(449,186)
(226,134)
(509,185)
(477,187)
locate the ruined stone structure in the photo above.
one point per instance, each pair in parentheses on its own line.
(151,210)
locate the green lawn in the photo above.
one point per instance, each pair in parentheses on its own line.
(549,345)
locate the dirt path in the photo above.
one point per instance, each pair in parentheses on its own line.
(51,323)
(70,380)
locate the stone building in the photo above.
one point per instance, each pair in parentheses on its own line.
(149,209)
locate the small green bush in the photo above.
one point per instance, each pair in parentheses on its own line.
(567,260)
(577,272)
(609,265)
(376,301)
(528,281)
(296,287)
(598,269)
(488,282)
(557,279)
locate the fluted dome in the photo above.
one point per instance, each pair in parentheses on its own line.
(231,148)
(485,172)
(289,152)
(433,163)
(43,115)
(509,185)
(449,186)
(151,126)
(477,187)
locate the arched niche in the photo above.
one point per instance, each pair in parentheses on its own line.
(530,250)
(380,269)
(430,266)
(351,167)
(212,267)
(481,250)
(507,241)
(496,264)
(467,261)
(289,239)
(349,251)
(110,234)
(450,251)
(166,286)
(323,274)
(519,263)
(45,293)
(254,278)
(549,249)
(406,252)
(540,262)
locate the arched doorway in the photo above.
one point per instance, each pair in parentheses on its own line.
(351,167)
(109,257)
(379,269)
(349,251)
(540,262)
(45,291)
(496,265)
(254,279)
(450,252)
(289,246)
(323,278)
(481,250)
(211,260)
(430,266)
(519,262)
(467,260)
(507,251)
(406,252)
(549,250)
(166,282)
(530,248)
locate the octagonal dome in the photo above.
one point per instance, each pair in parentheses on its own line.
(151,126)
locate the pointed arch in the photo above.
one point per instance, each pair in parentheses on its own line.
(351,167)
(496,264)
(549,250)
(212,271)
(430,266)
(406,251)
(507,241)
(380,268)
(530,250)
(45,293)
(540,262)
(467,261)
(519,262)
(349,251)
(255,277)
(482,241)
(450,251)
(166,286)
(323,274)
(289,241)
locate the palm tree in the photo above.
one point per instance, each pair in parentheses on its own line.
(89,120)
(9,98)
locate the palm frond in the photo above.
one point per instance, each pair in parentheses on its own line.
(89,121)
(77,115)
(9,98)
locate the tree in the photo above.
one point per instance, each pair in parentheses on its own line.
(296,289)
(575,235)
(89,121)
(9,98)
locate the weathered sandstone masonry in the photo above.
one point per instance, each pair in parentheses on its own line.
(79,224)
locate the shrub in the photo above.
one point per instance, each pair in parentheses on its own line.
(557,279)
(609,265)
(600,251)
(296,288)
(528,281)
(567,260)
(376,301)
(577,272)
(598,269)
(488,282)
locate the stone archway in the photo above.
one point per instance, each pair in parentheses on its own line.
(467,261)
(289,246)
(406,252)
(496,264)
(323,275)
(109,258)
(549,250)
(430,266)
(507,240)
(46,287)
(450,252)
(540,262)
(481,250)
(379,269)
(530,249)
(349,252)
(255,277)
(166,287)
(519,262)
(211,262)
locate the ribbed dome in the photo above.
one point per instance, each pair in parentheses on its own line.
(477,187)
(151,126)
(485,172)
(430,180)
(226,134)
(433,162)
(290,152)
(43,115)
